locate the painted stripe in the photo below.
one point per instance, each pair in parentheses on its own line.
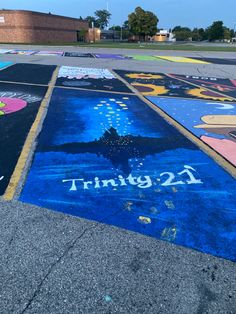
(34,131)
(94,90)
(23,83)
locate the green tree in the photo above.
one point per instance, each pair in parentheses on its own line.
(199,34)
(232,33)
(203,33)
(143,23)
(216,31)
(180,29)
(196,36)
(182,33)
(92,21)
(227,33)
(103,17)
(125,25)
(115,28)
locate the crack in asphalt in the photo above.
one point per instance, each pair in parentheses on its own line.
(64,254)
(223,71)
(53,265)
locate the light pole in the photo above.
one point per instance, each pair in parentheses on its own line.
(109,12)
(94,38)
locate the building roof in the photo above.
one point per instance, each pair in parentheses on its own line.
(40,13)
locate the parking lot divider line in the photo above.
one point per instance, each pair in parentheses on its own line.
(94,90)
(23,83)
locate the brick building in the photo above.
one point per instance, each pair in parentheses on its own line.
(20,26)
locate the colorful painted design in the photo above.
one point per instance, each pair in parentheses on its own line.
(3,51)
(5,64)
(10,105)
(28,73)
(144,76)
(143,58)
(155,84)
(89,78)
(22,52)
(110,158)
(226,148)
(18,108)
(182,59)
(206,121)
(150,89)
(224,86)
(50,53)
(78,55)
(202,93)
(111,56)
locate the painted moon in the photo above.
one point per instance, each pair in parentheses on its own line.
(10,105)
(221,106)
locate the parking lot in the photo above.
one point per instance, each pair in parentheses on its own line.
(117,178)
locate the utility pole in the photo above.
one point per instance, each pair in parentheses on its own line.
(109,12)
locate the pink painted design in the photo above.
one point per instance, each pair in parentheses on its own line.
(233,82)
(225,147)
(10,105)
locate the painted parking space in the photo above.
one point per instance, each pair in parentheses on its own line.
(28,73)
(19,105)
(143,58)
(159,84)
(111,56)
(108,157)
(226,86)
(21,52)
(213,122)
(78,55)
(182,59)
(90,78)
(113,160)
(3,51)
(49,53)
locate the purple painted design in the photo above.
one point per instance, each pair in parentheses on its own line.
(111,56)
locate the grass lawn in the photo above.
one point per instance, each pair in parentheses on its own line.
(142,46)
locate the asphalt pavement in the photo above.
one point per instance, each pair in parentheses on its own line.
(55,263)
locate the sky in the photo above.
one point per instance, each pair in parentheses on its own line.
(191,13)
